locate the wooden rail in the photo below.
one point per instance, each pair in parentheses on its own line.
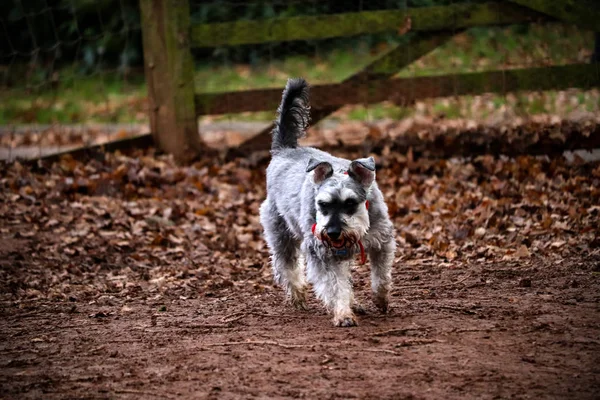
(407,90)
(456,16)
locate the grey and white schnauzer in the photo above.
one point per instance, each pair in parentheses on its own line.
(326,210)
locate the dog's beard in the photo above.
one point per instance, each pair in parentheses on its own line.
(347,240)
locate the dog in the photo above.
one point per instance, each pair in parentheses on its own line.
(326,211)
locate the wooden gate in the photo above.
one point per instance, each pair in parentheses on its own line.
(169,37)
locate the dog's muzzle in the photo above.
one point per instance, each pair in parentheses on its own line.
(343,246)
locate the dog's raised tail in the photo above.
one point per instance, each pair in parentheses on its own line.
(293,115)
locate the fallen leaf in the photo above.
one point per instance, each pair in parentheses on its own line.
(522,252)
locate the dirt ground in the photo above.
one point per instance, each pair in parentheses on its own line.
(480,332)
(132,277)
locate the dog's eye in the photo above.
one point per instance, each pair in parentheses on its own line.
(350,203)
(324,206)
(350,206)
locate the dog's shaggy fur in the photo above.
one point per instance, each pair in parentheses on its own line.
(321,209)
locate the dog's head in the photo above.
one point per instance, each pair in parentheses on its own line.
(340,200)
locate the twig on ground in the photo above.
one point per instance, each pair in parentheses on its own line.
(459,309)
(142,393)
(419,285)
(404,343)
(472,330)
(205,326)
(242,314)
(173,324)
(6,352)
(79,326)
(397,331)
(29,314)
(425,285)
(457,282)
(234,319)
(380,351)
(96,350)
(578,341)
(416,342)
(123,341)
(263,343)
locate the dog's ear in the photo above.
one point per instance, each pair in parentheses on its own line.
(321,170)
(363,171)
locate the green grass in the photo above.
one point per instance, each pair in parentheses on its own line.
(481,49)
(108,97)
(98,98)
(333,67)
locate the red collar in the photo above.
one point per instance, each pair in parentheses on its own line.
(363,256)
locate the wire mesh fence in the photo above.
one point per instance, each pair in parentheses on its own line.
(72,71)
(71,74)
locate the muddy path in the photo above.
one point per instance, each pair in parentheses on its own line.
(486,331)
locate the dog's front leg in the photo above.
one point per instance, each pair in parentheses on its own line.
(332,285)
(382,255)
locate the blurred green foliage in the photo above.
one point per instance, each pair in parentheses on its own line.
(46,35)
(92,35)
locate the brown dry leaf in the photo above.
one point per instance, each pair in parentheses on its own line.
(522,252)
(176,240)
(144,217)
(375,133)
(244,238)
(406,26)
(451,255)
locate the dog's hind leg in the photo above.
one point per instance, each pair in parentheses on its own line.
(288,266)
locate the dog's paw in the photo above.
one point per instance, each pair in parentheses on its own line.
(298,299)
(358,309)
(300,304)
(345,322)
(381,302)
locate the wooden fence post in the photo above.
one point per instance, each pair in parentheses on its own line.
(169,71)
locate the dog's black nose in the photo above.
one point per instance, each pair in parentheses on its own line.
(334,232)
